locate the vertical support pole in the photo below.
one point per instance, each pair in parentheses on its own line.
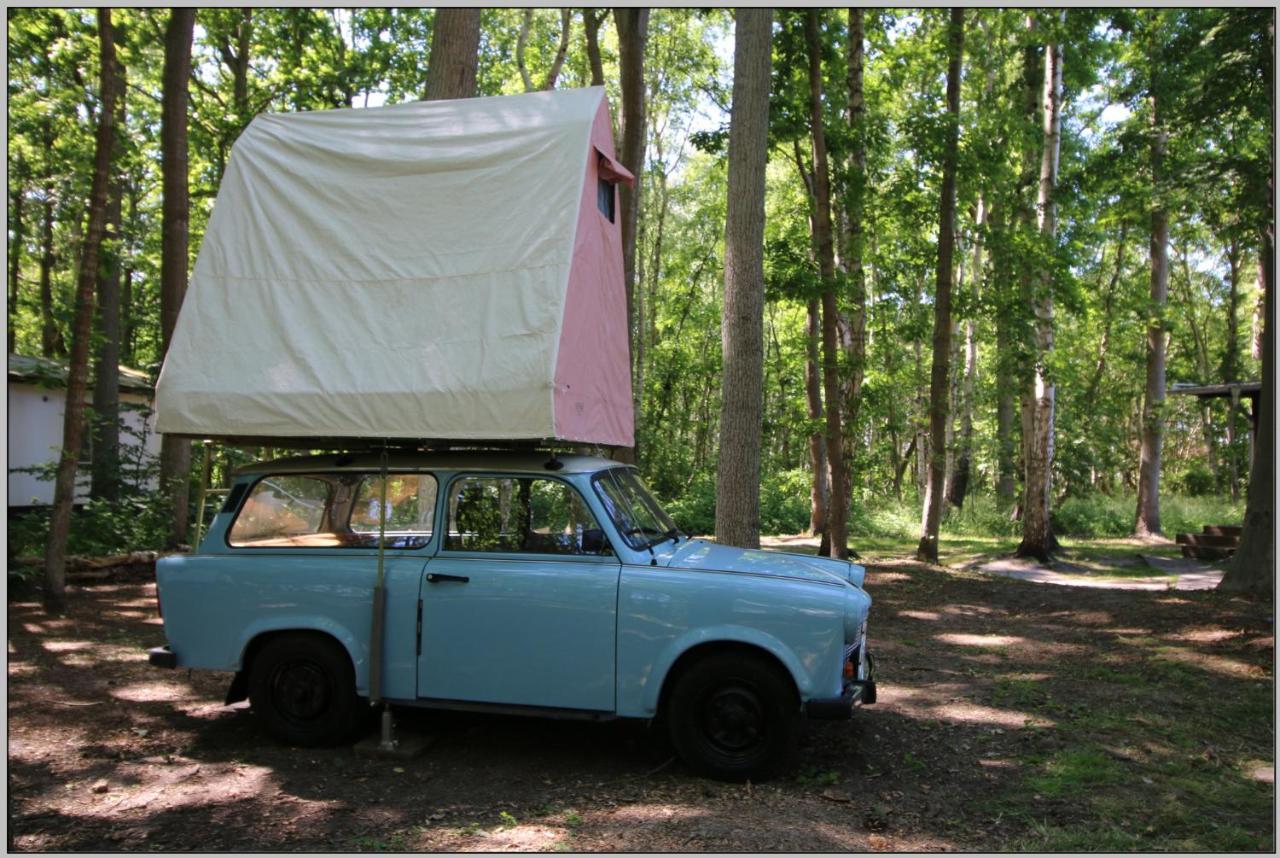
(379,616)
(205,472)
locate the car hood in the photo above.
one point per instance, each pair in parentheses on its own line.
(700,554)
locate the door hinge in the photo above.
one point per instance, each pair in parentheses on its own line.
(419,627)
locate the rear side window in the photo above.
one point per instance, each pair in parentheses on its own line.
(338,510)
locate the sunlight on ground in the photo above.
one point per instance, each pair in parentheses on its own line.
(146,692)
(1213,663)
(937,704)
(958,639)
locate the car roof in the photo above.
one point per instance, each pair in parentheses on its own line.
(448,460)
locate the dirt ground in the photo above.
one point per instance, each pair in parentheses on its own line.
(1011,715)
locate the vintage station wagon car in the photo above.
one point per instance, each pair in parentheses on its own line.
(515,582)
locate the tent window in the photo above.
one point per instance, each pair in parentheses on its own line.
(605,198)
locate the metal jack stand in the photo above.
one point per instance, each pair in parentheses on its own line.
(386,744)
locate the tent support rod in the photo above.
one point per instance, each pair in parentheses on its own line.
(205,473)
(377,627)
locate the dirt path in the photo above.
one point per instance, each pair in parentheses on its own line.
(1011,715)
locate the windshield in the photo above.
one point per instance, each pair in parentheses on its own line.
(635,513)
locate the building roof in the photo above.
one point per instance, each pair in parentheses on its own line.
(1210,391)
(53,373)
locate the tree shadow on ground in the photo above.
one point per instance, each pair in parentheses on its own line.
(1010,714)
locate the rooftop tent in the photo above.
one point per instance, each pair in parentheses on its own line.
(437,270)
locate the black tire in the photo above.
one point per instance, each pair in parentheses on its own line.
(303,690)
(734,716)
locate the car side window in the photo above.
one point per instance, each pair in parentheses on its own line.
(336,510)
(521,515)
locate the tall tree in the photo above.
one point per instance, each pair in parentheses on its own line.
(549,82)
(455,45)
(742,337)
(17,198)
(105,463)
(633,35)
(853,232)
(175,452)
(1148,515)
(591,21)
(64,488)
(1253,567)
(838,508)
(1039,400)
(927,550)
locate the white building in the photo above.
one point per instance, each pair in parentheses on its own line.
(37,396)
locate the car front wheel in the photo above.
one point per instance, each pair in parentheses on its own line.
(302,688)
(734,717)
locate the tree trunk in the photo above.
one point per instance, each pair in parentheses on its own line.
(455,47)
(105,464)
(837,509)
(1037,529)
(175,453)
(64,487)
(1231,361)
(855,203)
(819,493)
(17,196)
(1252,568)
(128,318)
(51,344)
(633,36)
(931,517)
(591,21)
(1148,516)
(741,418)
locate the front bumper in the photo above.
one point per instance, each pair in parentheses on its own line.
(162,656)
(856,692)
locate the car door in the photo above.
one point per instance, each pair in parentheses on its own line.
(519,607)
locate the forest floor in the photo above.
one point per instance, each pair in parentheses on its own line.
(1011,715)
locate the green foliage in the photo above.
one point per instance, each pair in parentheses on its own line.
(99,528)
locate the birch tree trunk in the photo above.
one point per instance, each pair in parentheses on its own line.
(742,342)
(64,486)
(1037,530)
(455,47)
(175,453)
(927,550)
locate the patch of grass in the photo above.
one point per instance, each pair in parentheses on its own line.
(814,777)
(573,819)
(1071,773)
(507,820)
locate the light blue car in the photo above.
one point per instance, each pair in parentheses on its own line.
(514,582)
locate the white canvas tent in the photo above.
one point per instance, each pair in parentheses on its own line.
(432,270)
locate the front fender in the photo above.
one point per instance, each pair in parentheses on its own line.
(724,634)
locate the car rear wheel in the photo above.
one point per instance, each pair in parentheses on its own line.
(302,689)
(734,716)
